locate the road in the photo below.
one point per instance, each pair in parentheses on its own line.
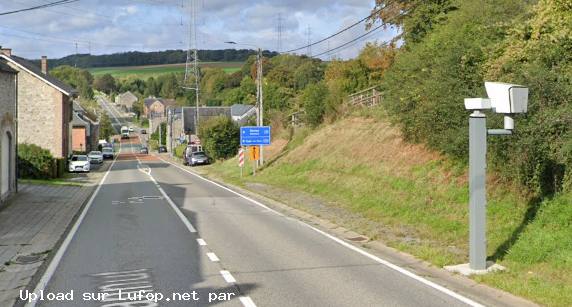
(156,234)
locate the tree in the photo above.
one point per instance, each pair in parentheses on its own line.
(313,100)
(415,18)
(105,127)
(105,84)
(77,78)
(220,137)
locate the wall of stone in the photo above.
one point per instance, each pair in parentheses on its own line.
(8,152)
(43,114)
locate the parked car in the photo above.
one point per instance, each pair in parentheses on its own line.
(144,150)
(108,152)
(188,150)
(143,131)
(79,163)
(162,148)
(198,157)
(95,157)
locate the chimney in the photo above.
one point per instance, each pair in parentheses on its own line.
(45,65)
(6,51)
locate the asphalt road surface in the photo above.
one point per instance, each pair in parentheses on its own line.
(155,234)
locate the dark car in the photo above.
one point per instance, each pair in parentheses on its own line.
(198,157)
(143,131)
(162,148)
(144,150)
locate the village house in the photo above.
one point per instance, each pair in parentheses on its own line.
(85,130)
(126,100)
(44,106)
(153,107)
(8,131)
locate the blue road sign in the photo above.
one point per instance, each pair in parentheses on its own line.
(254,135)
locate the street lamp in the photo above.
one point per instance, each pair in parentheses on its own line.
(259,121)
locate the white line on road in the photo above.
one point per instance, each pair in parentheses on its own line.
(45,279)
(213,257)
(201,242)
(348,245)
(246,301)
(227,276)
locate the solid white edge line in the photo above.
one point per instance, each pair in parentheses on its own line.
(213,257)
(45,279)
(246,301)
(227,276)
(348,245)
(178,211)
(201,242)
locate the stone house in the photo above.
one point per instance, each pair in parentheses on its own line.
(44,106)
(8,131)
(126,100)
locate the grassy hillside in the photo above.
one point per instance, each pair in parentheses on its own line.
(144,72)
(360,174)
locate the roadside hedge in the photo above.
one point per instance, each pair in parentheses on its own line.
(35,162)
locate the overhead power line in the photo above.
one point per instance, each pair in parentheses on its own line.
(40,6)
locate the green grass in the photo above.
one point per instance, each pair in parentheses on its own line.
(423,208)
(144,73)
(57,182)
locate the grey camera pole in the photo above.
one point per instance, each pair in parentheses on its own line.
(477,191)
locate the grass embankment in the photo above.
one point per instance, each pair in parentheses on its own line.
(144,72)
(368,179)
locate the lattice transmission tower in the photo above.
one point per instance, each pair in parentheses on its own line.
(191,67)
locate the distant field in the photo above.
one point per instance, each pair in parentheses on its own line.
(144,72)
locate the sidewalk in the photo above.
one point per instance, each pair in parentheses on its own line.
(32,223)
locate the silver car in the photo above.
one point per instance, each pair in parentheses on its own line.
(95,157)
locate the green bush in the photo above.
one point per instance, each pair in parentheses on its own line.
(35,162)
(220,137)
(61,166)
(179,151)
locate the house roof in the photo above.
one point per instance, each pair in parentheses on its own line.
(37,72)
(240,109)
(150,101)
(78,121)
(5,68)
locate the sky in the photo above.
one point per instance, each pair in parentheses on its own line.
(115,26)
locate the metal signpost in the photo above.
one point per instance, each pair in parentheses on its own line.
(240,160)
(254,137)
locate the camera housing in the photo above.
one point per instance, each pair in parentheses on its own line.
(507,98)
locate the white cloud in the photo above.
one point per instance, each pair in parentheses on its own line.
(116,26)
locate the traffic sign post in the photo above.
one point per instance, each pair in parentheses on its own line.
(250,136)
(254,152)
(241,160)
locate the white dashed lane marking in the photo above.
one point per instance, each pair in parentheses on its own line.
(213,257)
(227,276)
(201,242)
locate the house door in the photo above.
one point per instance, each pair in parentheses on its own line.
(6,165)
